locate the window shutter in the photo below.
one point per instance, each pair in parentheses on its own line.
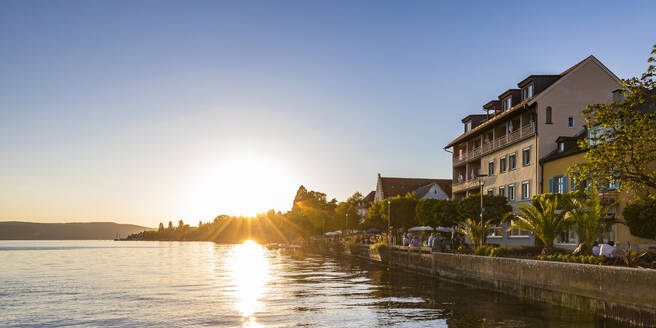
(564,184)
(572,186)
(550,184)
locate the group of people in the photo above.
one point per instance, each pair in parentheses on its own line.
(435,241)
(604,249)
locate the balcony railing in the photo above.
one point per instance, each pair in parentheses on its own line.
(464,184)
(488,147)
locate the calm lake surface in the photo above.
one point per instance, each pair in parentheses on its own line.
(168,284)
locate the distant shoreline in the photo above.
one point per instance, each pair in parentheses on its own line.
(18,230)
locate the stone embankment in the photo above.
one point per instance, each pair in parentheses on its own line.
(623,294)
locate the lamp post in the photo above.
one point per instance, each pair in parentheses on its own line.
(346,226)
(481,182)
(389,222)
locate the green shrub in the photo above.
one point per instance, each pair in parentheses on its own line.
(498,252)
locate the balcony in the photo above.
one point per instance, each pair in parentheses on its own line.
(498,143)
(464,185)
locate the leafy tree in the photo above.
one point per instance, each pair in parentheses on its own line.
(544,218)
(170,225)
(376,216)
(640,216)
(589,217)
(180,225)
(347,211)
(437,212)
(474,230)
(495,208)
(161,227)
(621,145)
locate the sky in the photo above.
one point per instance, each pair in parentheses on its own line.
(149,111)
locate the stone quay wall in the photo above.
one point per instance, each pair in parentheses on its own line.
(624,294)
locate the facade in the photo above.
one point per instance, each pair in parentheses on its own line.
(363,206)
(500,150)
(388,187)
(556,180)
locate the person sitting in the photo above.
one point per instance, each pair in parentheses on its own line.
(430,240)
(595,249)
(405,240)
(414,242)
(607,250)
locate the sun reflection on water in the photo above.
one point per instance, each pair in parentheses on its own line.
(249,269)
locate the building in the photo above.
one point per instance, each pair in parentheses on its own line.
(363,206)
(387,187)
(555,179)
(499,150)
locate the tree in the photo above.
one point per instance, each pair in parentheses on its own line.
(496,207)
(347,211)
(437,212)
(180,225)
(621,145)
(589,218)
(161,227)
(640,216)
(376,216)
(170,225)
(474,230)
(544,218)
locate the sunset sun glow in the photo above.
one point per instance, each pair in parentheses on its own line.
(244,184)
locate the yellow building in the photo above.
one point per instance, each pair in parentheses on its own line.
(555,179)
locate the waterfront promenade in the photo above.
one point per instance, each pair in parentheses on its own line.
(623,294)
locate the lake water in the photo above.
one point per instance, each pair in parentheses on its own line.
(169,284)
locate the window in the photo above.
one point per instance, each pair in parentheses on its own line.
(507,103)
(570,122)
(526,156)
(490,168)
(558,185)
(527,92)
(511,192)
(511,161)
(468,126)
(490,191)
(502,191)
(561,147)
(568,236)
(526,190)
(519,233)
(502,164)
(547,119)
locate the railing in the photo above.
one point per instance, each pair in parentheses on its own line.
(465,184)
(488,147)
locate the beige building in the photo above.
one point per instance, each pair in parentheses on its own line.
(500,150)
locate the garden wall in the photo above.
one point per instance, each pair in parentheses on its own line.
(624,294)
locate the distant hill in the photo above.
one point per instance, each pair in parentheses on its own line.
(14,230)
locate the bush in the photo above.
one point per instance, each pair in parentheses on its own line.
(498,252)
(380,246)
(640,216)
(583,259)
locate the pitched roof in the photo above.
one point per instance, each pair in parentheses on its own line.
(393,187)
(515,108)
(571,147)
(366,201)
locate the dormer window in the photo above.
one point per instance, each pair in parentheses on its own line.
(468,126)
(527,92)
(561,147)
(507,103)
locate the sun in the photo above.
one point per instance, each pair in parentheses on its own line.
(242,184)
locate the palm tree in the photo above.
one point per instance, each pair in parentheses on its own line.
(589,216)
(543,218)
(474,230)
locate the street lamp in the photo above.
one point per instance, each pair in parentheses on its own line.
(481,182)
(346,226)
(389,222)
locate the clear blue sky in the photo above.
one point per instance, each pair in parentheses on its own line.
(144,111)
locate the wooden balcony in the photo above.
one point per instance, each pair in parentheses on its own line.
(498,143)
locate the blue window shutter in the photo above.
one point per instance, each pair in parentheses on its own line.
(564,184)
(551,185)
(572,186)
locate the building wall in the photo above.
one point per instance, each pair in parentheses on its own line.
(587,84)
(435,192)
